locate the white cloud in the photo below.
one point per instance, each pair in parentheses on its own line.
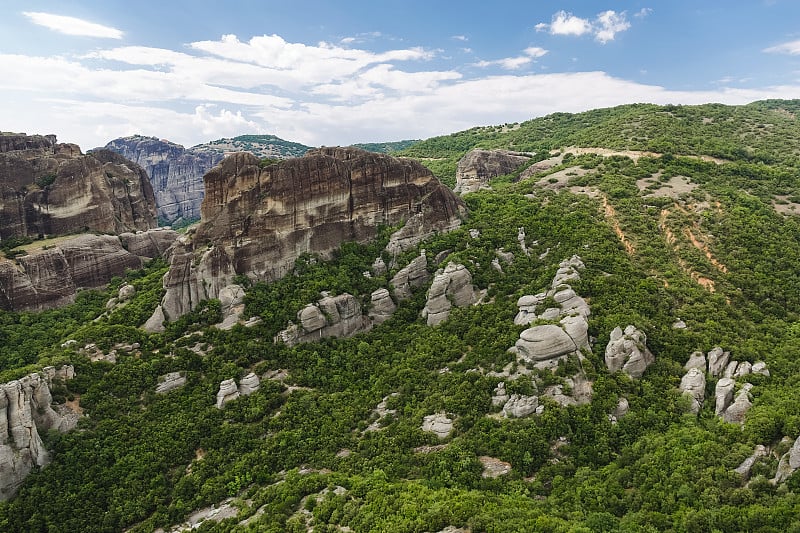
(605,27)
(609,23)
(791,48)
(514,63)
(462,38)
(72,25)
(645,11)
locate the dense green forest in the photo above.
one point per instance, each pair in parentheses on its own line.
(664,237)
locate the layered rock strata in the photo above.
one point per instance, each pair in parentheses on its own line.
(478,166)
(627,351)
(47,188)
(50,277)
(258,221)
(26,411)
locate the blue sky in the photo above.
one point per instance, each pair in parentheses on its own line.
(358,71)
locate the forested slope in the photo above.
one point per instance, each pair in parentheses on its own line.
(667,241)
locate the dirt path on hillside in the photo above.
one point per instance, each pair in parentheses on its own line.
(611,216)
(633,154)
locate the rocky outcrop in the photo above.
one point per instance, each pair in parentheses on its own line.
(736,412)
(693,385)
(25,411)
(723,395)
(717,361)
(789,463)
(53,189)
(231,299)
(412,276)
(439,424)
(169,382)
(746,466)
(381,306)
(627,351)
(478,166)
(259,221)
(546,344)
(331,316)
(49,277)
(227,392)
(451,287)
(520,406)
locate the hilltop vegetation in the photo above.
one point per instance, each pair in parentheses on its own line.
(663,238)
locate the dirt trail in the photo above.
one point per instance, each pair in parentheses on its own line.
(633,154)
(611,215)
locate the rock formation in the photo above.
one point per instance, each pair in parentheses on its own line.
(227,392)
(546,344)
(47,278)
(746,466)
(627,351)
(717,361)
(25,411)
(169,382)
(451,287)
(478,166)
(693,385)
(249,384)
(735,413)
(331,316)
(789,463)
(176,173)
(520,406)
(412,276)
(53,189)
(231,299)
(439,424)
(381,306)
(258,221)
(723,395)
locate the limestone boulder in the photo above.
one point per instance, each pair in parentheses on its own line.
(717,361)
(249,384)
(227,392)
(382,307)
(693,385)
(439,424)
(696,360)
(736,412)
(789,463)
(520,406)
(723,395)
(746,466)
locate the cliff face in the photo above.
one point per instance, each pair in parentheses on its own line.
(258,221)
(50,189)
(25,411)
(176,174)
(478,166)
(47,278)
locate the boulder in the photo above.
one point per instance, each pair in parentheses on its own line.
(736,412)
(760,367)
(382,307)
(227,392)
(249,384)
(696,360)
(693,385)
(520,406)
(730,370)
(492,468)
(789,463)
(126,292)
(621,409)
(746,466)
(627,351)
(744,368)
(155,324)
(723,395)
(438,424)
(717,361)
(499,395)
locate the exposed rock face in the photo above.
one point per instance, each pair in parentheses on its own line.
(231,299)
(451,287)
(693,384)
(696,360)
(176,174)
(331,316)
(746,466)
(49,278)
(260,220)
(169,382)
(478,166)
(520,406)
(25,410)
(549,342)
(627,351)
(717,361)
(249,384)
(723,395)
(438,424)
(493,467)
(54,189)
(736,412)
(789,463)
(411,276)
(381,306)
(499,395)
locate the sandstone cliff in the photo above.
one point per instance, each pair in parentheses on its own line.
(257,221)
(49,277)
(53,189)
(176,173)
(25,411)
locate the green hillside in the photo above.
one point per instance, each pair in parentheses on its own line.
(387,147)
(259,145)
(667,238)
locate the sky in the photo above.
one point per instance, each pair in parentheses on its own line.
(335,73)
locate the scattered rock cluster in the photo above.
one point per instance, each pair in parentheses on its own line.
(412,276)
(228,391)
(25,411)
(478,166)
(451,286)
(546,344)
(439,424)
(331,316)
